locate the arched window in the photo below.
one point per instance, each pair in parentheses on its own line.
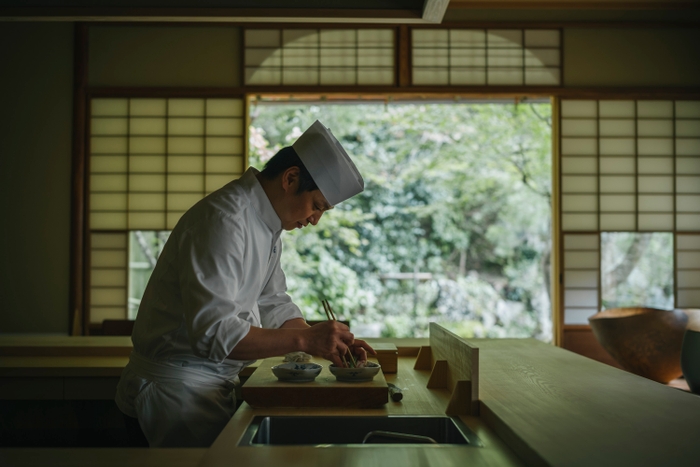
(486,57)
(319,57)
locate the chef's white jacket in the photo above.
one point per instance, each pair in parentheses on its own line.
(218,275)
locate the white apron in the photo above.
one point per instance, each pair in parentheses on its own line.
(176,406)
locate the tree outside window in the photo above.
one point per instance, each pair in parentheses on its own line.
(453,226)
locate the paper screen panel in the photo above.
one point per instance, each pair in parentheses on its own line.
(109,163)
(108,276)
(616,127)
(617,221)
(649,149)
(655,165)
(581,277)
(688,270)
(687,197)
(494,57)
(338,57)
(146,147)
(617,203)
(655,127)
(542,58)
(307,57)
(687,165)
(655,149)
(616,109)
(579,165)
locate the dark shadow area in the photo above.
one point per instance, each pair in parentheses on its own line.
(59,423)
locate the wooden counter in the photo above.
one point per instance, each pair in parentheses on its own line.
(539,405)
(61,367)
(550,406)
(555,407)
(417,400)
(65,346)
(60,377)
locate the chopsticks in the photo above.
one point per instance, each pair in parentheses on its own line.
(331,317)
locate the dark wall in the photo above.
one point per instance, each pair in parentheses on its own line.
(35,176)
(189,56)
(632,57)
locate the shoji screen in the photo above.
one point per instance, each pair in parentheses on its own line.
(319,57)
(488,57)
(109,266)
(150,160)
(633,165)
(688,270)
(581,277)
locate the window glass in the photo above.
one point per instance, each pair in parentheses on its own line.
(145,246)
(636,269)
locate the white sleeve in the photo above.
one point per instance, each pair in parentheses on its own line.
(210,262)
(275,305)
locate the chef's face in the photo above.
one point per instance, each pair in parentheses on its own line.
(305,208)
(300,209)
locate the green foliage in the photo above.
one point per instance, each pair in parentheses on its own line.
(144,249)
(459,191)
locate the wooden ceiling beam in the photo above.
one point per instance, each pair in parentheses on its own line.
(574,4)
(215,15)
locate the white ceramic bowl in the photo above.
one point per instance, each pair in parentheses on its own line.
(297,372)
(356,375)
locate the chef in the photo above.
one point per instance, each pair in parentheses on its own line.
(217,300)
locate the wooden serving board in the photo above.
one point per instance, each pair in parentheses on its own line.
(263,389)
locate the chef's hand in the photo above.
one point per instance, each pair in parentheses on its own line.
(331,340)
(359,349)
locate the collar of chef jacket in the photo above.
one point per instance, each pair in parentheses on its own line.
(259,200)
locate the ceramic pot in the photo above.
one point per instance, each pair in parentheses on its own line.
(644,341)
(690,359)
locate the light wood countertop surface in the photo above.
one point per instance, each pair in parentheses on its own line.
(543,404)
(555,407)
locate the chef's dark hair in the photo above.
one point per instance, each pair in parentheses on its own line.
(284,159)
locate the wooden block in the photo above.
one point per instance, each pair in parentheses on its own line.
(438,377)
(387,356)
(263,389)
(424,360)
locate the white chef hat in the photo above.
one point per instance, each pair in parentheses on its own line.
(328,163)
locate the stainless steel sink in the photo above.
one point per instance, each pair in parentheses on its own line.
(331,430)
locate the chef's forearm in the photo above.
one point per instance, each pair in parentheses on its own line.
(329,340)
(263,343)
(295,323)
